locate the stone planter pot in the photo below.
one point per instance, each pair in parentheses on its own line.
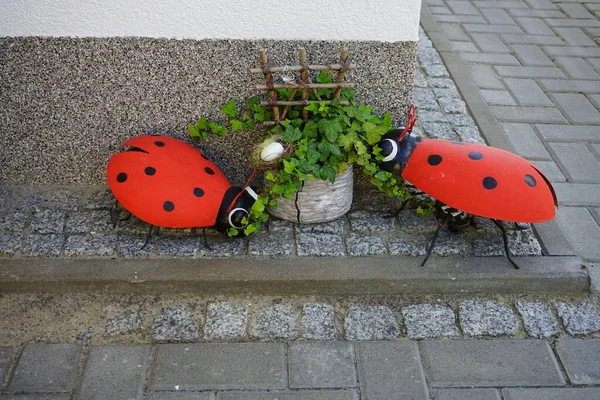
(319,201)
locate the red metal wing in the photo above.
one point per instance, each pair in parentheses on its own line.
(481,180)
(167,182)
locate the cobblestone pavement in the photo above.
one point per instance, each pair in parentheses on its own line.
(303,348)
(537,66)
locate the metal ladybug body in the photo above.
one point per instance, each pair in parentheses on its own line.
(168,183)
(470,178)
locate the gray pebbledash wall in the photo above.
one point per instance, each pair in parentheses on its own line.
(66,104)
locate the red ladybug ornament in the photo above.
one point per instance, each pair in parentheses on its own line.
(472,178)
(168,183)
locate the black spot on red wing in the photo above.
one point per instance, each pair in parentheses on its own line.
(203,156)
(209,171)
(150,171)
(198,192)
(159,143)
(489,183)
(122,177)
(530,180)
(475,155)
(434,159)
(168,206)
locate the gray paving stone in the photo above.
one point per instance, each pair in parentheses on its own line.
(31,202)
(569,132)
(386,369)
(321,365)
(336,227)
(581,359)
(100,199)
(462,7)
(466,394)
(498,17)
(460,120)
(65,199)
(577,160)
(485,77)
(43,245)
(527,92)
(10,243)
(420,81)
(452,105)
(594,61)
(578,318)
(370,221)
(534,26)
(409,246)
(485,28)
(454,32)
(436,130)
(538,319)
(464,47)
(578,194)
(485,363)
(498,98)
(433,116)
(447,92)
(318,321)
(125,322)
(46,368)
(529,72)
(436,70)
(541,4)
(13,221)
(429,56)
(518,38)
(359,245)
(575,10)
(528,114)
(571,85)
(425,99)
(523,243)
(114,372)
(410,220)
(130,246)
(551,170)
(276,321)
(441,82)
(474,19)
(6,354)
(429,321)
(577,68)
(532,55)
(225,321)
(488,246)
(320,244)
(519,12)
(296,395)
(450,244)
(486,318)
(575,37)
(89,221)
(552,394)
(370,323)
(245,366)
(127,223)
(222,247)
(578,108)
(525,142)
(91,245)
(469,134)
(440,10)
(184,396)
(489,42)
(175,324)
(48,221)
(276,244)
(511,4)
(178,246)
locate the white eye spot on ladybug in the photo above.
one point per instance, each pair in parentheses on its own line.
(394,152)
(235,217)
(271,152)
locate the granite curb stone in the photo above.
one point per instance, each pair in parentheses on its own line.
(370,323)
(486,318)
(578,318)
(429,321)
(225,321)
(538,319)
(318,321)
(175,324)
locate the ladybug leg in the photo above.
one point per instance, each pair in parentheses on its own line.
(148,237)
(505,239)
(394,214)
(435,235)
(206,241)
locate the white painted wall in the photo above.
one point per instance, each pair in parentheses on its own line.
(386,20)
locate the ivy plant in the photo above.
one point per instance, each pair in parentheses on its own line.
(333,137)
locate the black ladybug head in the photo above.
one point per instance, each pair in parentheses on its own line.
(396,153)
(236,215)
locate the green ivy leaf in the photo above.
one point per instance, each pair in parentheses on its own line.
(201,124)
(324,77)
(250,229)
(327,173)
(231,232)
(288,166)
(361,149)
(313,155)
(217,129)
(269,176)
(373,132)
(330,128)
(236,125)
(230,109)
(291,134)
(387,120)
(310,129)
(193,131)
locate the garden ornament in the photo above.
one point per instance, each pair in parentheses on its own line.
(168,183)
(468,178)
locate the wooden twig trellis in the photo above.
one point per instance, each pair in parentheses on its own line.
(303,83)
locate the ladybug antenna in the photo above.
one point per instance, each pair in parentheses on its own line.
(243,189)
(410,122)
